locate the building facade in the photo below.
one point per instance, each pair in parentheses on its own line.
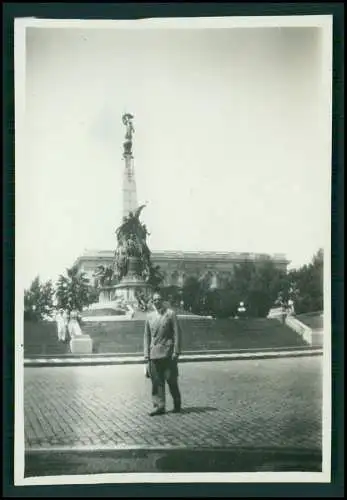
(176,266)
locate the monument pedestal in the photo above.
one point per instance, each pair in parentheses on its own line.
(106,294)
(132,284)
(128,289)
(82,344)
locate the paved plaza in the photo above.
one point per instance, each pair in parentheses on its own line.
(251,404)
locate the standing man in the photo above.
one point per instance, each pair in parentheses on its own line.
(162,347)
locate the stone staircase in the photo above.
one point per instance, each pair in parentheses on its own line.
(313,324)
(198,334)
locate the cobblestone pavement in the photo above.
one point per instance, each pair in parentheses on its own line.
(258,403)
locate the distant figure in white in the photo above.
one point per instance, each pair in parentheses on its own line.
(62,322)
(241,310)
(291,310)
(74,326)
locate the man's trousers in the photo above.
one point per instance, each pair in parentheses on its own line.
(163,371)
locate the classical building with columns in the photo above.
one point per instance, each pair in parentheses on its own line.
(177,266)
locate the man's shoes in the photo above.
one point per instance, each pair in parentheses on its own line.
(159,411)
(177,409)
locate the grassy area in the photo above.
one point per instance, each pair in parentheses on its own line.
(312,320)
(41,338)
(197,334)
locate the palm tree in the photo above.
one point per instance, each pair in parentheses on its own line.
(72,291)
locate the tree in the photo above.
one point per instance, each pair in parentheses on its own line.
(172,294)
(196,294)
(308,280)
(258,285)
(73,290)
(190,293)
(38,300)
(155,277)
(224,302)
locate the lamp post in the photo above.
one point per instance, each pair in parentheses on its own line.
(180,299)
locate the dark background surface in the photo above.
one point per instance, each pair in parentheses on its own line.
(174,461)
(135,11)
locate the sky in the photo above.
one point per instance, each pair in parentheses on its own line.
(230,146)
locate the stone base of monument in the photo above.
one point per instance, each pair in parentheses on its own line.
(121,298)
(81,345)
(128,289)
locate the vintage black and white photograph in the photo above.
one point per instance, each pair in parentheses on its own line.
(173,183)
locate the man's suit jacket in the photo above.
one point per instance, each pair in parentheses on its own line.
(162,337)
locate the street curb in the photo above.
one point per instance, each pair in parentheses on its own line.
(114,360)
(112,448)
(197,352)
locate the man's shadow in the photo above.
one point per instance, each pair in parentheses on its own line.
(198,409)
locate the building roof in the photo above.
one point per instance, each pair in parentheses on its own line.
(189,255)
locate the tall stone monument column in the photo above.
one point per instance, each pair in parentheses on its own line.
(127,280)
(129,184)
(132,249)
